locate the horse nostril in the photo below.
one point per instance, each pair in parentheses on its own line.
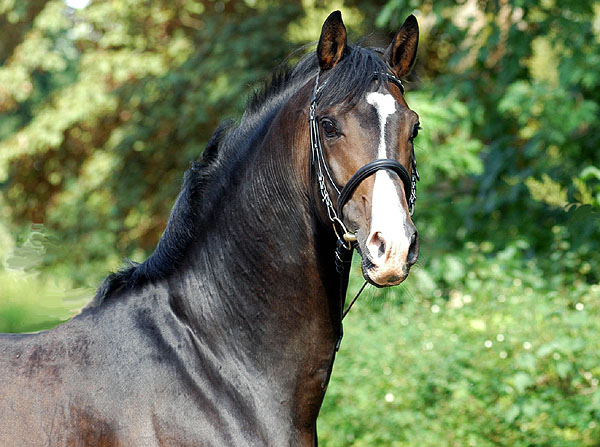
(376,246)
(382,248)
(413,249)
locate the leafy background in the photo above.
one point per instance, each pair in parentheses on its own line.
(494,338)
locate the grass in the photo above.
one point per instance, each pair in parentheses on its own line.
(30,302)
(505,364)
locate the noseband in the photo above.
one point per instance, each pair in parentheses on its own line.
(346,240)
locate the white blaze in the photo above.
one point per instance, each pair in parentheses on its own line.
(385,106)
(387,214)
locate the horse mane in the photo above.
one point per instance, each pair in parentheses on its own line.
(176,235)
(351,78)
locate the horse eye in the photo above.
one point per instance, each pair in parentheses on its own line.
(329,128)
(415,131)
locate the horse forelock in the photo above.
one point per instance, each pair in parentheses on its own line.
(347,82)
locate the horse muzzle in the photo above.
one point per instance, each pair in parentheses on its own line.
(388,256)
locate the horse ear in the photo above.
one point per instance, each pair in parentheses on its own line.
(332,44)
(402,52)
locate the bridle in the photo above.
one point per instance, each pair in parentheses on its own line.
(346,240)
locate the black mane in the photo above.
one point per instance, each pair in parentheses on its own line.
(345,83)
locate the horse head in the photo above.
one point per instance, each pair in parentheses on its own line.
(366,142)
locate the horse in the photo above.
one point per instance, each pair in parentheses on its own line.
(226,335)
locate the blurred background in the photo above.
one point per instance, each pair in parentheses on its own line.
(495,338)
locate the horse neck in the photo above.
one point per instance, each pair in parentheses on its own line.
(260,283)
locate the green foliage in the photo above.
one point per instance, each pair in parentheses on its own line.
(493,340)
(588,186)
(121,97)
(94,97)
(487,354)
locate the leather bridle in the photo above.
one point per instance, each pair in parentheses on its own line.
(346,240)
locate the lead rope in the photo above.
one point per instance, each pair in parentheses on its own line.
(343,262)
(354,300)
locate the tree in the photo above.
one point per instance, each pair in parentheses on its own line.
(106,106)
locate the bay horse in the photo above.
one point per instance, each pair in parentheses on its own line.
(226,334)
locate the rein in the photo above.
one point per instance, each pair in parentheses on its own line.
(346,240)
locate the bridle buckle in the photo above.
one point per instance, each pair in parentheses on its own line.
(345,237)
